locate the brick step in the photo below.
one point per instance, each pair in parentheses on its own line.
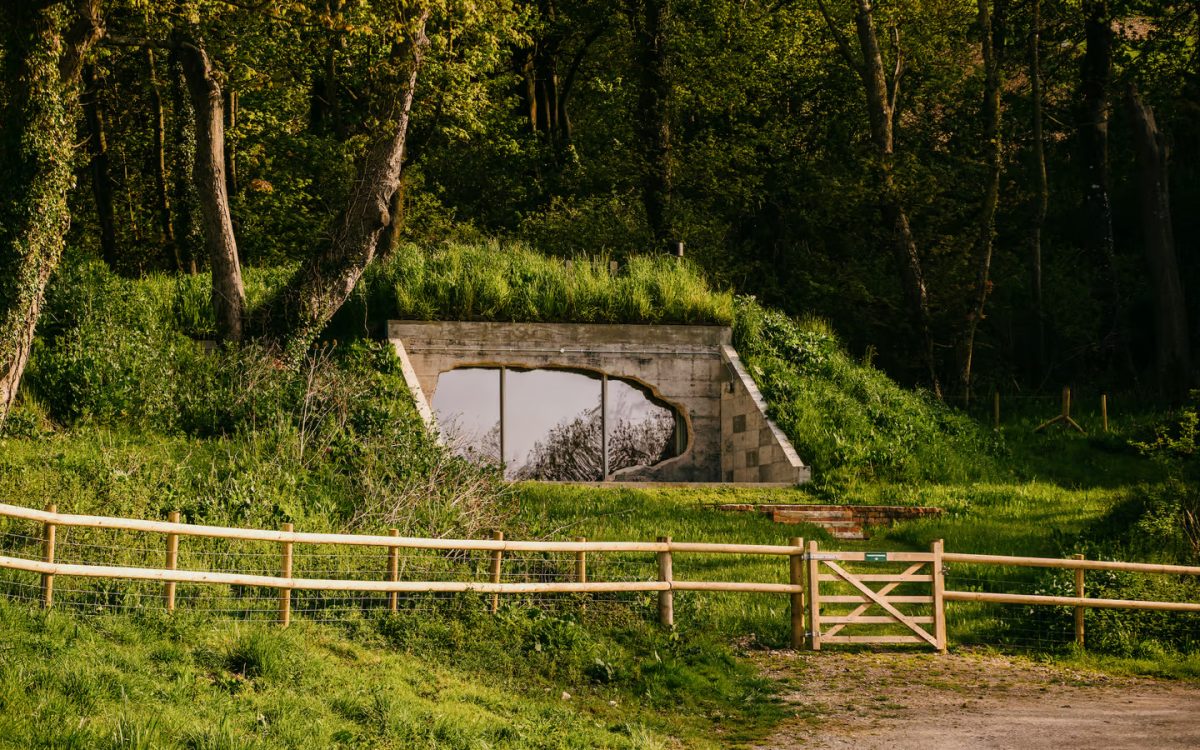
(814,516)
(841,521)
(857,536)
(818,518)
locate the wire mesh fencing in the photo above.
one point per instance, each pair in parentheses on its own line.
(1020,627)
(76,545)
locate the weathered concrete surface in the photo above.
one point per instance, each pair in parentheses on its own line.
(688,367)
(754,449)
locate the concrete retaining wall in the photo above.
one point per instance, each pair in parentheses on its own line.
(754,449)
(688,367)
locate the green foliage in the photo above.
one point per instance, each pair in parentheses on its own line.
(337,440)
(1176,443)
(848,419)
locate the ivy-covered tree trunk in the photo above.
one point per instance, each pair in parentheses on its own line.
(166,228)
(186,228)
(102,191)
(295,316)
(228,294)
(44,45)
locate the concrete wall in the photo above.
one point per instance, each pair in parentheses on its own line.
(688,367)
(754,449)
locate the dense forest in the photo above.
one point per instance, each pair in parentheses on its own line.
(997,192)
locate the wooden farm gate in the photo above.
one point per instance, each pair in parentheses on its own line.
(838,580)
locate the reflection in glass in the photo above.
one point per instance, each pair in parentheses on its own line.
(552,425)
(555,422)
(640,431)
(467,406)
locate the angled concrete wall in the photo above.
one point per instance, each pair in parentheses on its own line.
(754,449)
(688,367)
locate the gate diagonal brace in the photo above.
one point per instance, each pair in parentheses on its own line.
(882,602)
(862,608)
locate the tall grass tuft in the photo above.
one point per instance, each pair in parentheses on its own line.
(509,282)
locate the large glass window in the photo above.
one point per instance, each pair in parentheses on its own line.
(562,425)
(467,405)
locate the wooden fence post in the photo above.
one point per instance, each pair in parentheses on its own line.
(1078,610)
(172,562)
(666,597)
(996,409)
(939,599)
(796,578)
(581,562)
(1104,411)
(285,571)
(393,572)
(497,556)
(814,598)
(48,556)
(1064,416)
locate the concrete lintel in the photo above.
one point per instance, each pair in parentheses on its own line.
(562,338)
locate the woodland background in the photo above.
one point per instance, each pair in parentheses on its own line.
(976,193)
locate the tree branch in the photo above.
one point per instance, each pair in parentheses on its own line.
(899,71)
(842,45)
(83,34)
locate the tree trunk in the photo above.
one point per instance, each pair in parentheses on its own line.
(1170,313)
(987,215)
(101,182)
(1096,77)
(390,238)
(40,67)
(231,116)
(652,123)
(186,231)
(228,296)
(166,229)
(1043,186)
(523,65)
(881,107)
(564,95)
(295,316)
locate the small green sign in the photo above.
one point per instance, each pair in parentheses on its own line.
(875,556)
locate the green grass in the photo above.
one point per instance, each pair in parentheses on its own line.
(510,282)
(177,682)
(1060,496)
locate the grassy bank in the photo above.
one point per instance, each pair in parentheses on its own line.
(517,681)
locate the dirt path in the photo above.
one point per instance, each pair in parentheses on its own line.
(928,702)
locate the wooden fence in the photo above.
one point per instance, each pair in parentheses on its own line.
(816,578)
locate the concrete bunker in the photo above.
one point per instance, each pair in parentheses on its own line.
(595,402)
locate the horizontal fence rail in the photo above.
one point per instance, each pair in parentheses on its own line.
(830,592)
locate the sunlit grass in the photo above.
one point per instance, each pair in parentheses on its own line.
(402,682)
